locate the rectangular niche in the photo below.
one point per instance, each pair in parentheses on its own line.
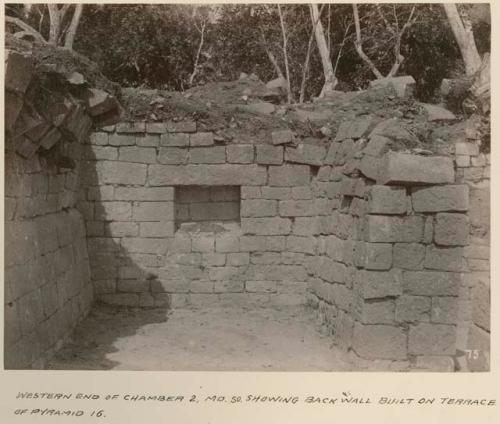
(206,204)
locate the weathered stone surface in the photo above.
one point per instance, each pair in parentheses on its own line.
(259,208)
(153,211)
(269,155)
(372,167)
(404,86)
(201,139)
(431,283)
(377,146)
(380,312)
(278,193)
(437,113)
(445,258)
(130,127)
(13,106)
(387,200)
(451,229)
(306,153)
(481,301)
(379,342)
(114,211)
(121,173)
(413,308)
(289,208)
(377,256)
(381,228)
(353,129)
(444,310)
(404,168)
(99,102)
(160,175)
(379,284)
(266,226)
(240,153)
(409,255)
(156,127)
(174,140)
(434,363)
(432,339)
(289,175)
(216,154)
(264,108)
(18,71)
(137,154)
(186,126)
(466,148)
(282,136)
(441,198)
(121,139)
(144,193)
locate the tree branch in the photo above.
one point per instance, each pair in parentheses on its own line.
(73,26)
(198,53)
(285,54)
(26,28)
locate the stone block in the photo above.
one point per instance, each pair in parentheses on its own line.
(185,126)
(432,339)
(379,341)
(462,161)
(138,154)
(156,127)
(102,153)
(331,154)
(302,193)
(130,127)
(153,211)
(372,167)
(466,148)
(292,208)
(144,193)
(308,154)
(240,153)
(259,208)
(378,312)
(18,71)
(481,303)
(227,243)
(148,140)
(201,286)
(377,146)
(174,140)
(266,226)
(250,192)
(113,211)
(441,198)
(238,259)
(216,154)
(261,286)
(269,155)
(444,310)
(377,256)
(305,226)
(201,139)
(167,175)
(99,102)
(301,244)
(50,138)
(278,193)
(431,363)
(387,200)
(379,284)
(282,136)
(289,175)
(445,258)
(157,229)
(99,138)
(229,286)
(122,299)
(409,255)
(431,283)
(173,156)
(203,243)
(404,168)
(354,129)
(403,86)
(380,228)
(437,113)
(413,308)
(122,229)
(121,173)
(451,229)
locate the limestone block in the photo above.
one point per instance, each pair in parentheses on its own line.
(266,226)
(377,146)
(50,138)
(445,258)
(201,139)
(102,153)
(259,208)
(252,243)
(354,129)
(130,127)
(481,303)
(409,255)
(261,286)
(404,168)
(451,229)
(377,256)
(378,312)
(302,193)
(437,113)
(144,193)
(213,259)
(306,153)
(434,363)
(99,102)
(121,139)
(99,138)
(372,167)
(380,228)
(466,148)
(174,140)
(413,308)
(278,193)
(431,283)
(269,155)
(441,198)
(238,259)
(250,192)
(229,286)
(444,310)
(227,243)
(167,175)
(216,154)
(153,211)
(148,140)
(173,156)
(379,284)
(404,86)
(387,200)
(462,161)
(432,339)
(13,106)
(156,127)
(157,229)
(290,208)
(331,155)
(122,229)
(138,154)
(240,153)
(379,341)
(289,175)
(300,244)
(186,126)
(113,211)
(282,136)
(18,71)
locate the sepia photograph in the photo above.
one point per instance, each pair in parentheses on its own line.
(247,187)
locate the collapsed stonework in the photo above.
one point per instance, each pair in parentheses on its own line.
(390,245)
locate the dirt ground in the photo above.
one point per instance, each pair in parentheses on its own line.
(208,339)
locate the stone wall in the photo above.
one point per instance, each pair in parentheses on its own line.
(46,266)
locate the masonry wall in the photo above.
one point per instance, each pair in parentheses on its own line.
(47,275)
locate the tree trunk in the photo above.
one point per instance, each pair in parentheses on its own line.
(464,37)
(330,80)
(71,33)
(285,54)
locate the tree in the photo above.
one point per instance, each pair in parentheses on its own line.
(58,33)
(462,30)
